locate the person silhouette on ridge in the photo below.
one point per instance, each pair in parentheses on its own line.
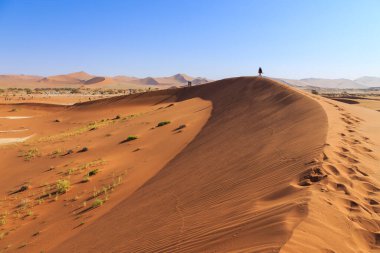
(260,71)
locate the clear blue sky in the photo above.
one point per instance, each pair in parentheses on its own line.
(212,38)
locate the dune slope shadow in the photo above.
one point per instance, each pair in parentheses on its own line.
(231,188)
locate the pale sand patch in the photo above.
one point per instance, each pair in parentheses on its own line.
(16,117)
(4,141)
(14,131)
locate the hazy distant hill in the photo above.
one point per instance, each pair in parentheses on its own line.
(147,80)
(181,79)
(293,82)
(363,83)
(370,81)
(334,83)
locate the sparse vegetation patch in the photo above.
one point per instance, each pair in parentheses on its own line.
(85,179)
(94,163)
(97,203)
(3,221)
(30,154)
(93,172)
(130,138)
(180,127)
(56,153)
(84,149)
(63,186)
(163,123)
(24,188)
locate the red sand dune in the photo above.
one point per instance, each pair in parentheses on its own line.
(231,188)
(259,167)
(80,79)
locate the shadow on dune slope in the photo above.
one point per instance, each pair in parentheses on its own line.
(233,188)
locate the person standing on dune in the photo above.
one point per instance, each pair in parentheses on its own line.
(260,71)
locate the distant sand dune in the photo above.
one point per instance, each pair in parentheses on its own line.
(78,79)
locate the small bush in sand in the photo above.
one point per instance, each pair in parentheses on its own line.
(130,138)
(70,171)
(23,245)
(93,172)
(3,221)
(24,203)
(30,154)
(180,127)
(163,123)
(63,186)
(97,203)
(24,188)
(86,179)
(84,149)
(315,92)
(56,153)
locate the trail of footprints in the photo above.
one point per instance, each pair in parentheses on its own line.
(345,176)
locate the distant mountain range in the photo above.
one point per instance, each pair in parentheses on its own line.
(365,82)
(83,79)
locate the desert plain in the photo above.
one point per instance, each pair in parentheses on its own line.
(245,164)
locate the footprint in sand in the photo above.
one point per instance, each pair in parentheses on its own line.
(311,176)
(373,202)
(376,239)
(348,158)
(348,122)
(331,169)
(350,171)
(370,188)
(366,139)
(358,178)
(342,187)
(353,205)
(365,149)
(355,141)
(361,172)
